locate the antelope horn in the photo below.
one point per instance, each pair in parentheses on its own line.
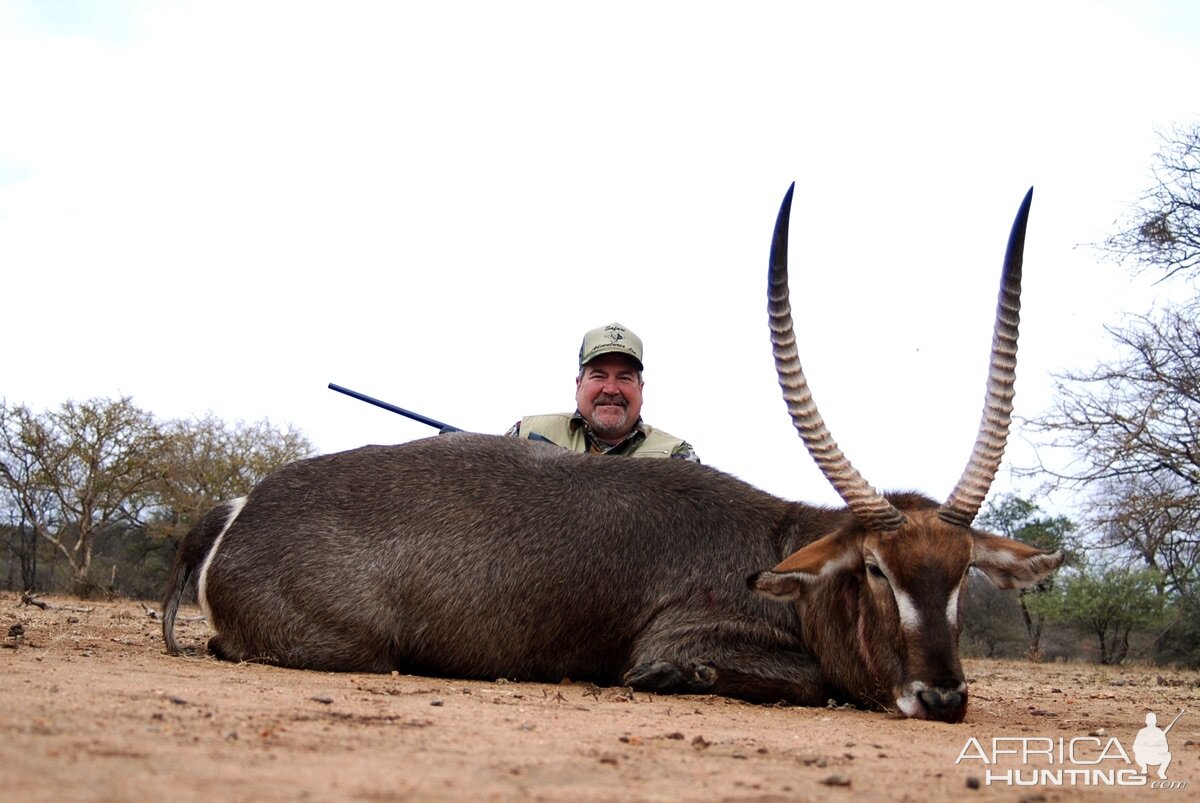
(872,510)
(962,506)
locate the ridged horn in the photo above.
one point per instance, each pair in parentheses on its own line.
(964,501)
(872,510)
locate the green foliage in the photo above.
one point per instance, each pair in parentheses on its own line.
(73,473)
(1131,425)
(204,461)
(1130,422)
(1022,520)
(991,621)
(1180,644)
(105,489)
(1107,603)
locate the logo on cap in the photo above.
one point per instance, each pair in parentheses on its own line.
(609,339)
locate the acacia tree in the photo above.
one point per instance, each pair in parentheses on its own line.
(1162,232)
(101,467)
(1021,519)
(1106,603)
(1137,415)
(1152,519)
(20,489)
(204,461)
(75,472)
(1133,423)
(22,542)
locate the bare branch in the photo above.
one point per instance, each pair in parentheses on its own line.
(1162,232)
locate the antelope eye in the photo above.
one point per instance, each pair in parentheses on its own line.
(875,571)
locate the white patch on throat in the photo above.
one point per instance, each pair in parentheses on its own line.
(235,507)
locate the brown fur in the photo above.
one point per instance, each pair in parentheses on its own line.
(484,557)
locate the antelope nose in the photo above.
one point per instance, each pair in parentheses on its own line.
(944,705)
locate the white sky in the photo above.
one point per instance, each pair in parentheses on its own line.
(223,206)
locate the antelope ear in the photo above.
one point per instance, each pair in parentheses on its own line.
(1011,564)
(781,587)
(822,558)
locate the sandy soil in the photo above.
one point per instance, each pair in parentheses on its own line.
(92,709)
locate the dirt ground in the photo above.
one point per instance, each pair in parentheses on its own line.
(92,709)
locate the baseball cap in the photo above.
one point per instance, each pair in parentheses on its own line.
(611,339)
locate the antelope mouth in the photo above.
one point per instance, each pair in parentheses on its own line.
(917,700)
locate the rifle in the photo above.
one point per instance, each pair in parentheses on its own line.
(1167,729)
(431,422)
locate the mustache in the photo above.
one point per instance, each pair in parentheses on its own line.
(611,398)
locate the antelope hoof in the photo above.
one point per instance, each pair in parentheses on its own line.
(664,676)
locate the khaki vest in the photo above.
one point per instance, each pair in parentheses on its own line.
(558,430)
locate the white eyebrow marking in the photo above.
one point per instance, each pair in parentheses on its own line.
(841,562)
(909,618)
(952,603)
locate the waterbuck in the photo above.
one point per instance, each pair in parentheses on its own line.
(478,556)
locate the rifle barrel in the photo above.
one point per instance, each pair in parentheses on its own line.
(1167,729)
(426,420)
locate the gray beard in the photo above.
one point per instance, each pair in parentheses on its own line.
(613,430)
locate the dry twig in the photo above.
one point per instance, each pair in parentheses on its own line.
(28,598)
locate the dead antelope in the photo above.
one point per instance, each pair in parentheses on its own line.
(478,556)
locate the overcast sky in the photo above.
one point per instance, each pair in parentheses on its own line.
(224,206)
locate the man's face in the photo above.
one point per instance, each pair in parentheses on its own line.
(609,395)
